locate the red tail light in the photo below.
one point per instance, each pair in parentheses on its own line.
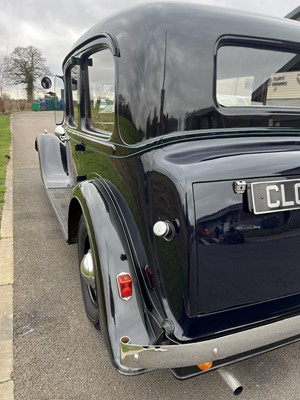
(124,285)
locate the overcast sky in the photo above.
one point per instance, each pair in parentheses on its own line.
(54,25)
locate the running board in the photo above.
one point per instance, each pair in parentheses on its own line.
(60,200)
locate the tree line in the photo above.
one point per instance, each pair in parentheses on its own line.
(24,66)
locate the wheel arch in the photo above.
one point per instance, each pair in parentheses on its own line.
(112,255)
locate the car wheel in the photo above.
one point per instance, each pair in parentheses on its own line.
(87,273)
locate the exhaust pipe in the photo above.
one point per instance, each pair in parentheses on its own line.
(234,385)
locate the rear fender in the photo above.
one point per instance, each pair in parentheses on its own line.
(113,256)
(53,161)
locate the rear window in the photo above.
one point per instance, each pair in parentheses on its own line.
(257,77)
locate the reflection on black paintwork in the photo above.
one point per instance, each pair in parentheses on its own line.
(240,255)
(167,71)
(224,260)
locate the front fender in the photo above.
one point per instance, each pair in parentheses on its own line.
(53,161)
(113,256)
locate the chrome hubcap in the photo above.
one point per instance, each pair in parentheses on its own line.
(87,269)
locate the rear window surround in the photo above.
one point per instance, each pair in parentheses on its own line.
(254,43)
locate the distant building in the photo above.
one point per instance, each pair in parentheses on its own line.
(295,14)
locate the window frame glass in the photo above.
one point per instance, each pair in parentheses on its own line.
(88,126)
(72,115)
(254,44)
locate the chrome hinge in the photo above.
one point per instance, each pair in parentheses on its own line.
(239,187)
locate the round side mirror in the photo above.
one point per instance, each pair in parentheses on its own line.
(46,82)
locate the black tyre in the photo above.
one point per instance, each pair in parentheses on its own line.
(89,292)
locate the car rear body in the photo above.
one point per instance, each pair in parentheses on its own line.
(196,125)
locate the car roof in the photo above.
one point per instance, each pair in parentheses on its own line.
(167,50)
(131,23)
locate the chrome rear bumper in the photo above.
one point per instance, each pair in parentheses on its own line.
(183,355)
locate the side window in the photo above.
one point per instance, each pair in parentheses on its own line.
(55,100)
(101,79)
(72,94)
(74,77)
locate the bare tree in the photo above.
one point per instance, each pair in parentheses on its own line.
(3,67)
(25,66)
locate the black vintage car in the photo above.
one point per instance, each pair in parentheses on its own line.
(177,171)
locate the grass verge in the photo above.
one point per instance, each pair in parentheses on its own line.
(4,154)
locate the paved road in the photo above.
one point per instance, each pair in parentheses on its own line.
(58,354)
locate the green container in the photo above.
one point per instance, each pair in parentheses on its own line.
(36,107)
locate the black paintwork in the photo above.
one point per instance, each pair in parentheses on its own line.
(174,155)
(167,51)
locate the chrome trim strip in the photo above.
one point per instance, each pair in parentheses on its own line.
(183,355)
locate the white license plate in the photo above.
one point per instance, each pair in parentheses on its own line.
(274,196)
